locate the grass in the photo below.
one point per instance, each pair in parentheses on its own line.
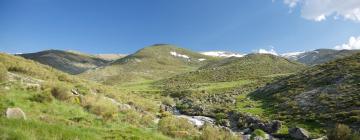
(245,104)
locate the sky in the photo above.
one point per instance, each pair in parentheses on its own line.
(124,26)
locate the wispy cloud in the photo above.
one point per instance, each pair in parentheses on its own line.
(354,43)
(320,10)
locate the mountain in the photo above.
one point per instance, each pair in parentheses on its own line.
(150,63)
(319,56)
(222,54)
(327,93)
(66,61)
(249,66)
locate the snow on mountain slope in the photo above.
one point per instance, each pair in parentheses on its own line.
(222,54)
(292,55)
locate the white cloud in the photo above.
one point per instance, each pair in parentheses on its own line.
(264,51)
(353,44)
(319,10)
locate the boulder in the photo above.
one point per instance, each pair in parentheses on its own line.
(299,133)
(15,113)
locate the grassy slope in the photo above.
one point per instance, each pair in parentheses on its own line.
(56,119)
(150,63)
(318,96)
(69,62)
(233,69)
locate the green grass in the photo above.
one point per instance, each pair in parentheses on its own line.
(221,85)
(245,104)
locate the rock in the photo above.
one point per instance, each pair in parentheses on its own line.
(15,113)
(248,121)
(74,92)
(299,133)
(322,138)
(124,107)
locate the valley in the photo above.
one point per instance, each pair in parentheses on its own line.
(167,92)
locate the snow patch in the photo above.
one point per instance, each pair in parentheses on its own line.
(201,59)
(179,55)
(222,54)
(271,51)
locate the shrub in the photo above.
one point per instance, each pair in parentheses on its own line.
(44,97)
(177,127)
(257,133)
(99,106)
(340,132)
(3,73)
(61,92)
(167,101)
(211,133)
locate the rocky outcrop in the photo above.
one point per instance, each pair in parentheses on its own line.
(15,113)
(299,133)
(243,121)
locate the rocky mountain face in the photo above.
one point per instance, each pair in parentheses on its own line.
(69,62)
(319,56)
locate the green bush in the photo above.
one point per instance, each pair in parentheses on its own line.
(61,92)
(176,127)
(340,132)
(3,73)
(257,133)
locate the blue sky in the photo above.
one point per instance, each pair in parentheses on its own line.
(124,26)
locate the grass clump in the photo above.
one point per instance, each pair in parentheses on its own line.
(342,132)
(211,133)
(99,106)
(61,92)
(177,127)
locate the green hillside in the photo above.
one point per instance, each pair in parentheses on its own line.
(323,94)
(66,61)
(53,111)
(251,66)
(150,63)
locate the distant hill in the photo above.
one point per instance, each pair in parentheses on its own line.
(319,56)
(150,63)
(110,57)
(66,61)
(327,92)
(232,69)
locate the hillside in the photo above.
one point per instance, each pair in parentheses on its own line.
(247,67)
(150,63)
(320,56)
(325,94)
(66,61)
(57,105)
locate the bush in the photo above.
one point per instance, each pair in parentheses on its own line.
(211,133)
(61,92)
(44,97)
(177,127)
(340,132)
(99,106)
(3,73)
(167,101)
(257,133)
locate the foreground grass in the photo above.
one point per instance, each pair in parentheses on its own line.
(57,120)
